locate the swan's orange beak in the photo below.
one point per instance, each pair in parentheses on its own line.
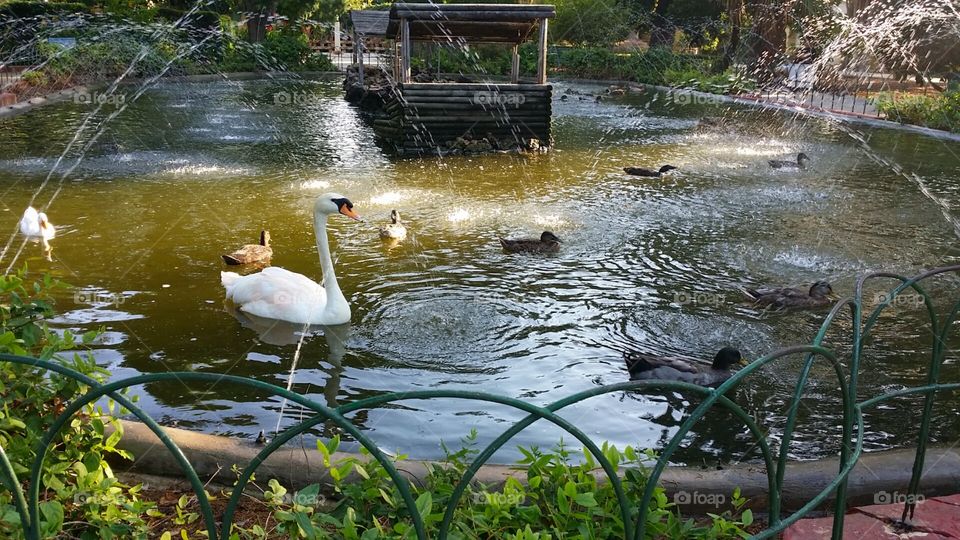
(347,211)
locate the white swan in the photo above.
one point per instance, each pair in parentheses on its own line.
(36,225)
(275,293)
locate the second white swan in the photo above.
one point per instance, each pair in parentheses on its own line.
(275,293)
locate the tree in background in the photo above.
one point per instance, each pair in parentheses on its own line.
(591,22)
(698,19)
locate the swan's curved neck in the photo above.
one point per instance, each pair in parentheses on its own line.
(335,297)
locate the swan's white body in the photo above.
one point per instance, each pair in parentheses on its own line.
(36,224)
(275,293)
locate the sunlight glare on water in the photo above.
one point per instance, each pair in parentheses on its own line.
(652,264)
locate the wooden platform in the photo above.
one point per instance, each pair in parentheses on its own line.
(424,117)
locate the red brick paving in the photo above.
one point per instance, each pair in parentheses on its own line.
(937,518)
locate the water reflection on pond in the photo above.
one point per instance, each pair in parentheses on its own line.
(190,171)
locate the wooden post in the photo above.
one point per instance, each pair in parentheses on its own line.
(336,36)
(515,66)
(396,60)
(359,54)
(405,58)
(542,54)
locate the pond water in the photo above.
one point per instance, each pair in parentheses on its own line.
(192,170)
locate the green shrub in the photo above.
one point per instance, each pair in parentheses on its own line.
(482,59)
(34,78)
(80,496)
(288,49)
(591,22)
(561,498)
(650,67)
(938,111)
(728,82)
(17,10)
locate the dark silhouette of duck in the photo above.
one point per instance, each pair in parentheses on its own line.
(819,295)
(800,163)
(679,368)
(548,243)
(251,253)
(640,171)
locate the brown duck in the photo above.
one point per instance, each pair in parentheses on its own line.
(252,253)
(819,295)
(548,243)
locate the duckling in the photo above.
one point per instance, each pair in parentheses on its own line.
(261,439)
(36,225)
(639,171)
(800,163)
(393,230)
(647,366)
(252,253)
(548,243)
(819,295)
(616,91)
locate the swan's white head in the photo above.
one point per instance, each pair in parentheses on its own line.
(333,203)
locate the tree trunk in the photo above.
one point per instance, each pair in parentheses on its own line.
(257,23)
(735,12)
(662,29)
(769,35)
(854,7)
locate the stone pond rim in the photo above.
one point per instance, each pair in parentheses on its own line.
(212,456)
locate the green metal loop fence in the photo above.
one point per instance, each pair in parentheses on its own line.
(846,371)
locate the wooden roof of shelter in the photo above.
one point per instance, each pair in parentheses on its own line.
(497,23)
(370,22)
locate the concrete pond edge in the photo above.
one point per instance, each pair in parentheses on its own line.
(879,477)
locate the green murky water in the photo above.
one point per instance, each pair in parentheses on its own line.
(189,171)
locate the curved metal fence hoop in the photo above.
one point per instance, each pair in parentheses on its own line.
(938,333)
(701,409)
(536,413)
(401,484)
(793,410)
(841,478)
(851,449)
(453,394)
(32,530)
(10,481)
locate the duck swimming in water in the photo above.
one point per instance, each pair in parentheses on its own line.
(548,243)
(393,230)
(639,171)
(252,253)
(36,225)
(800,163)
(819,295)
(677,368)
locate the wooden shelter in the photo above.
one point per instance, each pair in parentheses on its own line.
(422,117)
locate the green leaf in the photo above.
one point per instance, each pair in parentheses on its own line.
(424,504)
(746,517)
(585,499)
(52,512)
(303,521)
(309,496)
